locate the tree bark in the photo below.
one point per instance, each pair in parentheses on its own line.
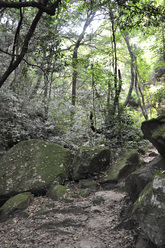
(90,17)
(116,86)
(17,5)
(132,84)
(18,58)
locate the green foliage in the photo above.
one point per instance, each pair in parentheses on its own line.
(43,81)
(159,95)
(21,121)
(141,15)
(122,129)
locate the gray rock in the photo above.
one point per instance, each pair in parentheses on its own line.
(89,184)
(17,202)
(137,181)
(33,166)
(125,165)
(154,131)
(90,161)
(143,242)
(85,192)
(149,210)
(57,192)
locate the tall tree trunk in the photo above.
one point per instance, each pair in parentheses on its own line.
(139,93)
(134,79)
(74,75)
(89,19)
(116,99)
(163,38)
(132,56)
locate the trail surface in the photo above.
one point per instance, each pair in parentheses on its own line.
(81,223)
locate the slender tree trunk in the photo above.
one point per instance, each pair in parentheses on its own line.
(115,103)
(74,75)
(163,38)
(132,84)
(139,93)
(134,79)
(108,93)
(89,19)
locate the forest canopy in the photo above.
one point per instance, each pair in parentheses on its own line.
(88,65)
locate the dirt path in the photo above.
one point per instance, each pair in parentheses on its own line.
(81,223)
(76,222)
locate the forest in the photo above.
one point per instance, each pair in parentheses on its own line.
(87,71)
(82,123)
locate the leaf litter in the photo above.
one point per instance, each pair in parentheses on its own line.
(80,223)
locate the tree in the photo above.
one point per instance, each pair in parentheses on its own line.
(17,58)
(89,18)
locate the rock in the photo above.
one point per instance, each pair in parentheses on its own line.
(85,192)
(17,202)
(57,192)
(137,181)
(89,244)
(125,217)
(98,200)
(33,166)
(154,131)
(110,196)
(149,210)
(89,184)
(90,161)
(143,242)
(128,163)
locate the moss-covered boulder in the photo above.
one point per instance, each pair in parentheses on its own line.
(137,181)
(125,165)
(57,192)
(89,162)
(33,166)
(17,202)
(149,210)
(154,131)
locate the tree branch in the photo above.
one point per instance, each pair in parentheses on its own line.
(14,64)
(17,5)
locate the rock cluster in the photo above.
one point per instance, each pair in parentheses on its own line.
(35,167)
(40,168)
(146,187)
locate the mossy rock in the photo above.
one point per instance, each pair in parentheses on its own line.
(17,202)
(125,165)
(159,132)
(89,184)
(57,192)
(98,200)
(137,181)
(90,162)
(149,210)
(33,166)
(85,192)
(154,131)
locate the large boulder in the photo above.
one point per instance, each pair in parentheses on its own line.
(125,165)
(154,131)
(90,161)
(33,166)
(149,210)
(137,181)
